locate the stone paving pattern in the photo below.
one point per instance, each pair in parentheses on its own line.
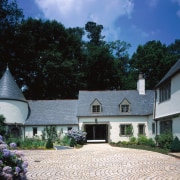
(101,162)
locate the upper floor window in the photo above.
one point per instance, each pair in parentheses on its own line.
(125,106)
(165,92)
(96,106)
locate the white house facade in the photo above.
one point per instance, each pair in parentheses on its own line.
(106,116)
(167,107)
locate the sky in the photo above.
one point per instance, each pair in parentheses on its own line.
(133,21)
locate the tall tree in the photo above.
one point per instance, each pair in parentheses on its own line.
(10,17)
(150,59)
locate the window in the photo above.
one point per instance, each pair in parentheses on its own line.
(141,129)
(165,92)
(126,130)
(153,128)
(34,131)
(69,128)
(165,126)
(96,108)
(124,108)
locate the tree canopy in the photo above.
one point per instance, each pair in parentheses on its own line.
(50,61)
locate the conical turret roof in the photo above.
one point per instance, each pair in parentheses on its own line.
(9,88)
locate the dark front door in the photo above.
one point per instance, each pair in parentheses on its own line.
(97,132)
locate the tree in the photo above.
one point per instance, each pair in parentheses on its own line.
(2,125)
(94,33)
(10,17)
(152,60)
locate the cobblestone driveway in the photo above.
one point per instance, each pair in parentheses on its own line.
(100,162)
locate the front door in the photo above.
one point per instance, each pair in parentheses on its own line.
(97,132)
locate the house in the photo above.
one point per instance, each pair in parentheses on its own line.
(106,116)
(167,102)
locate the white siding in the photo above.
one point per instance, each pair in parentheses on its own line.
(14,111)
(170,106)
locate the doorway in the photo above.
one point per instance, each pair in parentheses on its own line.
(96,132)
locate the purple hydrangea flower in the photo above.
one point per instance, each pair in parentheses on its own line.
(13,145)
(7,170)
(25,164)
(3,146)
(1,137)
(6,153)
(17,170)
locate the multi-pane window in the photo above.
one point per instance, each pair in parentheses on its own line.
(96,108)
(165,92)
(141,129)
(124,108)
(126,130)
(166,126)
(34,131)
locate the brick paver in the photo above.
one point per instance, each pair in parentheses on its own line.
(100,162)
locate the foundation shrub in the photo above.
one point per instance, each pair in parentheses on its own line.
(49,144)
(142,140)
(175,146)
(133,140)
(165,140)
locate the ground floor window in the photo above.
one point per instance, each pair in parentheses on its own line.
(34,131)
(126,130)
(69,128)
(165,126)
(153,128)
(141,129)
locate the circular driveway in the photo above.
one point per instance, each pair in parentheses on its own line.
(100,162)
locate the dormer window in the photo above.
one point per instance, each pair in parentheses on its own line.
(125,106)
(96,106)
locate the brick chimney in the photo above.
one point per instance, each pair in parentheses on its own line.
(141,84)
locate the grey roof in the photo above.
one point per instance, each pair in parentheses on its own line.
(110,100)
(9,89)
(174,69)
(52,112)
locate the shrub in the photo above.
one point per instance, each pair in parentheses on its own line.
(79,136)
(133,140)
(151,142)
(142,140)
(12,164)
(72,142)
(49,144)
(165,140)
(175,146)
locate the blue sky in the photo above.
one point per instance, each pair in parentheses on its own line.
(133,21)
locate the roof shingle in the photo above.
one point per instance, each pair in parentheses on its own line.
(9,89)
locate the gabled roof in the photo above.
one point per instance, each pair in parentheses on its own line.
(9,88)
(140,104)
(52,112)
(174,70)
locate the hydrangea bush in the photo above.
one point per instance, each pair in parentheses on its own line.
(12,163)
(78,136)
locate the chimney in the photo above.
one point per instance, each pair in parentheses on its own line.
(141,84)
